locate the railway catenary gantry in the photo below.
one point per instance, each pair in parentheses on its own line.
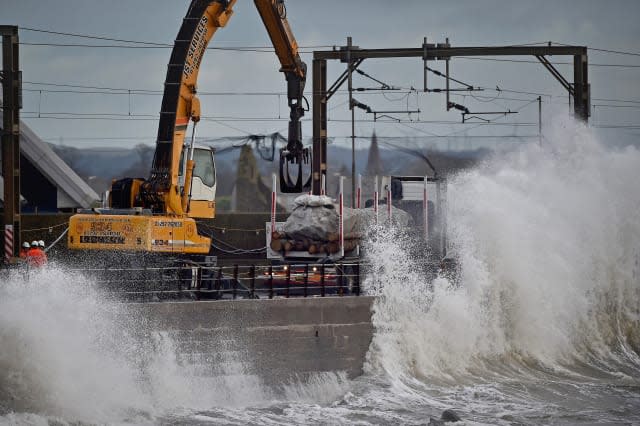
(353,57)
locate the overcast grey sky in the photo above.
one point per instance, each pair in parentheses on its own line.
(371,23)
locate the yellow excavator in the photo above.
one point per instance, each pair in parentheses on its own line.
(157,215)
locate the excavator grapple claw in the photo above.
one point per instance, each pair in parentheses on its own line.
(295,160)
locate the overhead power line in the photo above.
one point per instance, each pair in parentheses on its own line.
(257,49)
(134,91)
(92,37)
(137,44)
(213,139)
(525,61)
(149,92)
(617,52)
(138,91)
(64,115)
(271,50)
(148,44)
(617,106)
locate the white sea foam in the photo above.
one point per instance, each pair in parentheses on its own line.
(548,240)
(68,354)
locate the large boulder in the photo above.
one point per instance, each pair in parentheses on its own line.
(313,217)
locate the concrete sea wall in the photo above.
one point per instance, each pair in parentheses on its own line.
(277,340)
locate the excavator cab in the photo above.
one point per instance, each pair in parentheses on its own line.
(202,191)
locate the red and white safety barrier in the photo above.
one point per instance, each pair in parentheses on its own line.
(341,225)
(8,242)
(359,192)
(389,199)
(425,212)
(375,199)
(274,199)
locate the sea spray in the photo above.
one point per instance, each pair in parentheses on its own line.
(70,353)
(547,239)
(59,356)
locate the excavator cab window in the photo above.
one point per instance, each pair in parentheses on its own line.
(204,171)
(205,167)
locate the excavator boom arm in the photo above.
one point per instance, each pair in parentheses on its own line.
(179,102)
(274,17)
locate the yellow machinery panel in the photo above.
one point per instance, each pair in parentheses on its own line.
(159,234)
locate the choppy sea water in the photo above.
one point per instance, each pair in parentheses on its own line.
(542,326)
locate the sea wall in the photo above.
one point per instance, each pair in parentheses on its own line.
(277,340)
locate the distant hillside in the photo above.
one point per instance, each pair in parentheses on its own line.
(98,166)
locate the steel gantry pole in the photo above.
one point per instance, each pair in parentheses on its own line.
(353,123)
(11,104)
(319,114)
(581,88)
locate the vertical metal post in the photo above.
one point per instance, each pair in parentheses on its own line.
(359,192)
(439,211)
(581,101)
(235,280)
(218,282)
(11,104)
(424,68)
(288,280)
(577,86)
(8,242)
(341,224)
(389,199)
(353,125)
(210,278)
(319,160)
(252,273)
(447,73)
(306,280)
(198,278)
(274,200)
(540,120)
(356,278)
(425,210)
(444,220)
(375,199)
(270,281)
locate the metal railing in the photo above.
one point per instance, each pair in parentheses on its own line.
(198,282)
